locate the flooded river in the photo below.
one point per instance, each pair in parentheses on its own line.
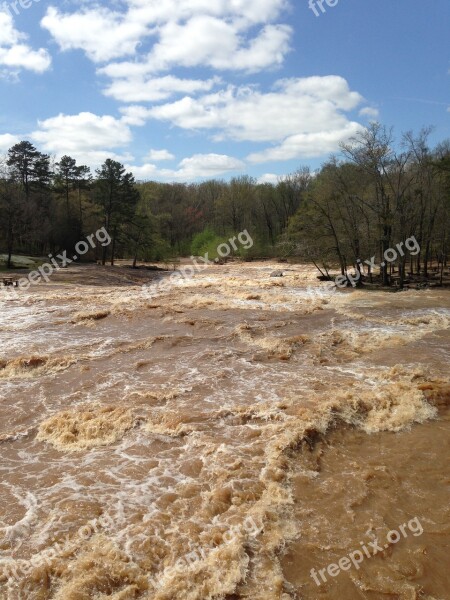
(225,438)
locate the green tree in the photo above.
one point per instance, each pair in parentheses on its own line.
(11,210)
(22,159)
(117,195)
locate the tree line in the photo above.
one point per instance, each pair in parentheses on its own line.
(46,206)
(378,192)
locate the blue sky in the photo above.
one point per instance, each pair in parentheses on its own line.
(184,90)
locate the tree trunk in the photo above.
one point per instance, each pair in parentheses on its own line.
(9,261)
(105,248)
(401,272)
(385,244)
(10,243)
(113,246)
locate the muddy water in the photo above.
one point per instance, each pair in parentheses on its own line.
(221,439)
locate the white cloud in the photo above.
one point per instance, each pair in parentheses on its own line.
(15,54)
(269,178)
(159,155)
(102,34)
(209,165)
(305,117)
(142,89)
(306,145)
(8,34)
(370,112)
(250,11)
(95,158)
(213,42)
(310,105)
(239,35)
(134,115)
(86,137)
(199,166)
(6,141)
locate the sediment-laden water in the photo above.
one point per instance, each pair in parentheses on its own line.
(222,439)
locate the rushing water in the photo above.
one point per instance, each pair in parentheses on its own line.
(221,439)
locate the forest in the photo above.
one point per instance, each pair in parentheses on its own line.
(378,191)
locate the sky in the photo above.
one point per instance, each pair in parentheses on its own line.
(187,90)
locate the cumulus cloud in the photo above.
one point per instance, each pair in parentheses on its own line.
(15,54)
(134,115)
(6,141)
(209,41)
(370,112)
(156,57)
(309,105)
(199,166)
(236,35)
(306,145)
(304,117)
(269,178)
(159,155)
(143,89)
(208,165)
(8,34)
(86,136)
(249,11)
(103,34)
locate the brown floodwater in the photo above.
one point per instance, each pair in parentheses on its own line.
(231,436)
